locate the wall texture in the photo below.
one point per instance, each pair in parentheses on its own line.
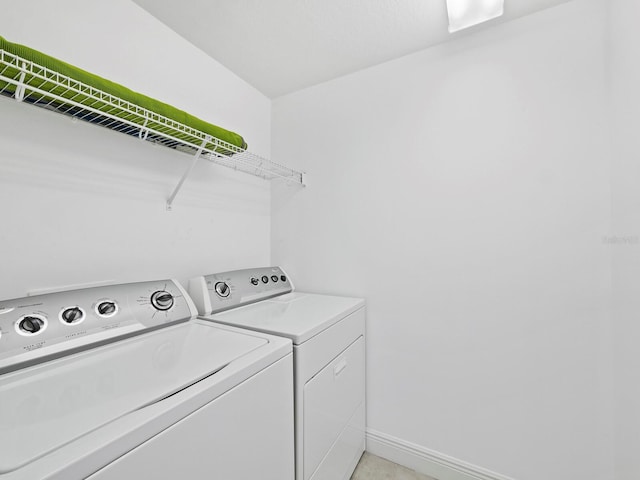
(81,204)
(625,78)
(463,191)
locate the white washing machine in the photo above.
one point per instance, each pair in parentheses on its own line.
(328,335)
(122,382)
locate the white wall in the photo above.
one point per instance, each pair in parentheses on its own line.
(463,191)
(81,204)
(625,78)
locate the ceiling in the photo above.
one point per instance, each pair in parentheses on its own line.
(280,46)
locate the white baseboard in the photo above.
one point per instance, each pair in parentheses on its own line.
(423,460)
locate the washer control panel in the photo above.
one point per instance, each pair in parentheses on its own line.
(220,291)
(39,328)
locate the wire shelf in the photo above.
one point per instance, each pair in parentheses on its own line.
(31,83)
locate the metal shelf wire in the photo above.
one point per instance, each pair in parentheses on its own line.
(31,83)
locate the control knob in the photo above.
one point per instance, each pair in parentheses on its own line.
(254,281)
(222,289)
(31,325)
(72,315)
(107,308)
(162,300)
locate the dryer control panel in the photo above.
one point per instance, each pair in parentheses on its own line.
(43,327)
(220,291)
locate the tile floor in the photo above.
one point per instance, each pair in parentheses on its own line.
(376,468)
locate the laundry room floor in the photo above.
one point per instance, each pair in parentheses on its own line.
(371,467)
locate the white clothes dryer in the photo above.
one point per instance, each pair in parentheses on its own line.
(122,382)
(328,334)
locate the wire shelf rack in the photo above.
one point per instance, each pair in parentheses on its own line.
(35,84)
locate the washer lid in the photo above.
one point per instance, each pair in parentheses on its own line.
(49,405)
(298,316)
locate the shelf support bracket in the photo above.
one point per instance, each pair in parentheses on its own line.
(144,131)
(206,140)
(21,87)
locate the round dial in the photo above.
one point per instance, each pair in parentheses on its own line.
(265,279)
(107,308)
(222,289)
(254,281)
(31,325)
(162,300)
(274,278)
(283,278)
(72,315)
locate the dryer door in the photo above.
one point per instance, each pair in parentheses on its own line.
(334,414)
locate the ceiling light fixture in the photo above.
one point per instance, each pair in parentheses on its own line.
(466,13)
